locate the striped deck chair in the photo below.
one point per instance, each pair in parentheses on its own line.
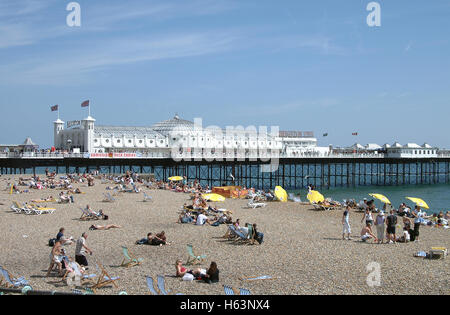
(244,291)
(150,285)
(252,204)
(161,285)
(193,259)
(74,276)
(103,279)
(130,260)
(228,290)
(10,280)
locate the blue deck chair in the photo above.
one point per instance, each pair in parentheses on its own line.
(130,260)
(193,259)
(147,197)
(244,291)
(151,286)
(161,285)
(12,281)
(228,290)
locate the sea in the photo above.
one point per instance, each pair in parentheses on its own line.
(436,196)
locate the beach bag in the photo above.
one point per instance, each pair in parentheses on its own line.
(51,242)
(188,277)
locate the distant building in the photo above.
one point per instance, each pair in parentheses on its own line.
(411,150)
(27,146)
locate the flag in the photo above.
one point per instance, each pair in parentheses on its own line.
(85,104)
(325,134)
(354,134)
(54,108)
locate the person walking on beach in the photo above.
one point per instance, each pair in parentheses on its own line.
(55,258)
(81,250)
(367,216)
(379,223)
(391,223)
(418,215)
(346,224)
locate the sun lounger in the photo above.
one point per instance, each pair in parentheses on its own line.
(16,207)
(10,281)
(193,259)
(103,279)
(42,209)
(252,204)
(130,260)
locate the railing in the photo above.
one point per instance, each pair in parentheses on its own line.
(225,155)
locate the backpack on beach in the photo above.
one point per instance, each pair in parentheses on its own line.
(51,242)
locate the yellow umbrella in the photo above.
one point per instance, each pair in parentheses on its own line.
(419,202)
(213,197)
(381,197)
(175,178)
(281,194)
(315,196)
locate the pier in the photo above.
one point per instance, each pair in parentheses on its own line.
(335,170)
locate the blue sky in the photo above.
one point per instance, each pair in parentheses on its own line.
(300,65)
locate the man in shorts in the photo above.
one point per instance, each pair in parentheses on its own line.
(391,222)
(366,233)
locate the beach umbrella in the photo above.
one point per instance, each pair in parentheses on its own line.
(175,178)
(419,202)
(281,194)
(315,196)
(213,197)
(381,197)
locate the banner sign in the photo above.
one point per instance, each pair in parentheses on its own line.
(114,155)
(73,123)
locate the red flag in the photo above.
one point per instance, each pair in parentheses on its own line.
(354,134)
(54,108)
(85,104)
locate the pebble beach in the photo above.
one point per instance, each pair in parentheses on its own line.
(303,250)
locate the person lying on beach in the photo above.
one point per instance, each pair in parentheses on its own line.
(366,233)
(223,219)
(104,227)
(55,258)
(146,240)
(159,239)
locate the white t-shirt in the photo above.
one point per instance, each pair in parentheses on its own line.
(201,219)
(79,249)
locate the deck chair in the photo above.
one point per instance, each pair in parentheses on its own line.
(130,260)
(294,198)
(161,285)
(228,290)
(244,291)
(252,204)
(74,276)
(103,279)
(108,198)
(238,235)
(147,197)
(89,215)
(193,259)
(150,285)
(10,281)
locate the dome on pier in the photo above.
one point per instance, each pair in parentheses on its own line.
(175,125)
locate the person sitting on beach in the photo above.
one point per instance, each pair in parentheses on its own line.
(60,237)
(363,204)
(146,240)
(202,219)
(366,233)
(182,271)
(160,239)
(223,219)
(259,236)
(405,238)
(104,227)
(185,218)
(212,274)
(55,258)
(234,226)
